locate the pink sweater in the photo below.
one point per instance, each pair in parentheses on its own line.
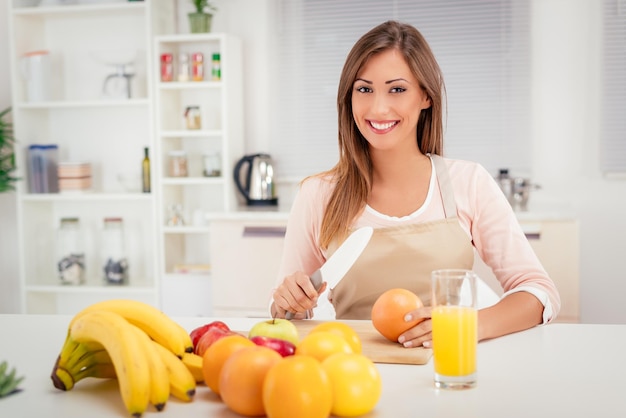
(482,209)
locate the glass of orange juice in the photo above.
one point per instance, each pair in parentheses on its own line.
(455,328)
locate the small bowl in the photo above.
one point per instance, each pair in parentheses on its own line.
(131,182)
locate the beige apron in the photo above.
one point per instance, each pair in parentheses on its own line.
(404,257)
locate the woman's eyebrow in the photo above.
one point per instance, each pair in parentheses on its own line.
(386,82)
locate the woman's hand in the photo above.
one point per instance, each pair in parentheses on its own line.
(420,334)
(296,294)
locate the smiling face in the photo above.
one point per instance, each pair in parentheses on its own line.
(386,102)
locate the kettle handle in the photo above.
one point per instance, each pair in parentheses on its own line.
(237,175)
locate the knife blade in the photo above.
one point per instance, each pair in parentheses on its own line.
(341,260)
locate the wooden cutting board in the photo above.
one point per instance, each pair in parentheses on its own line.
(375,346)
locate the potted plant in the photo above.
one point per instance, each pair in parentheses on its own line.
(7,155)
(200,20)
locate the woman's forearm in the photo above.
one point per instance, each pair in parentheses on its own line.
(516,312)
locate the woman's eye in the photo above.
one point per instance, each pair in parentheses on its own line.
(363,89)
(398,89)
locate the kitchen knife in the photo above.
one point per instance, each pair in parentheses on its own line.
(340,262)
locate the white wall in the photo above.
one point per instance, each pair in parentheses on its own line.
(566,119)
(9,285)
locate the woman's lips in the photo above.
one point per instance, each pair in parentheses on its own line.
(382,127)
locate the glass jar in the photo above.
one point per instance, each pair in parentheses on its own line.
(192,117)
(197,66)
(178,163)
(70,252)
(113,257)
(167,67)
(212,165)
(183,67)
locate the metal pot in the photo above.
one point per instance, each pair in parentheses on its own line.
(516,189)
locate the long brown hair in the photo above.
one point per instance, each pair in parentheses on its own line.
(353,172)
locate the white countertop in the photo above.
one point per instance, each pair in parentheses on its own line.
(558,370)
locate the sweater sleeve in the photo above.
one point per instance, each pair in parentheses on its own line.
(500,240)
(301,251)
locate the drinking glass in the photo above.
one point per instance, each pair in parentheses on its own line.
(455,329)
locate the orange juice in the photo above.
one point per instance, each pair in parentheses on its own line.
(454,340)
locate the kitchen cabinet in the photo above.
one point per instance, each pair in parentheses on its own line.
(247,252)
(191,194)
(555,240)
(105,126)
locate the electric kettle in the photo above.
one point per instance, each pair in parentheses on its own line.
(257,185)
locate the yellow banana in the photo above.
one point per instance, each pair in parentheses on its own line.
(159,374)
(182,382)
(73,358)
(120,340)
(94,364)
(160,327)
(194,364)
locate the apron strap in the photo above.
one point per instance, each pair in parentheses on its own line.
(445,187)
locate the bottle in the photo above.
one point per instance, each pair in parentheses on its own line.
(216,67)
(167,70)
(145,171)
(183,67)
(197,66)
(113,257)
(70,252)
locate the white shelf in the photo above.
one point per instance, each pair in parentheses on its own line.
(81,9)
(191,181)
(70,197)
(110,134)
(71,104)
(89,289)
(191,134)
(185,229)
(189,85)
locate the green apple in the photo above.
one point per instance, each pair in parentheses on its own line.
(276,328)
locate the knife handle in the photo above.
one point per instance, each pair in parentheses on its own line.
(316,280)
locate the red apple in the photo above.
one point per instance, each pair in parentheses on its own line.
(209,337)
(197,333)
(283,347)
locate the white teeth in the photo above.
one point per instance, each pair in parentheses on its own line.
(382,126)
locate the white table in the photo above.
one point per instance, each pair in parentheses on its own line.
(558,370)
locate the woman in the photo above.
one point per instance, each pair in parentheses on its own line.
(427,212)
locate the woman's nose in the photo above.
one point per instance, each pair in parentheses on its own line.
(381,103)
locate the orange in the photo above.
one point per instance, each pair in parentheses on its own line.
(297,386)
(343,330)
(322,344)
(216,355)
(355,381)
(389,310)
(242,376)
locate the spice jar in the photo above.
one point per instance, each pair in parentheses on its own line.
(167,67)
(178,163)
(70,252)
(114,261)
(197,66)
(183,67)
(216,67)
(192,117)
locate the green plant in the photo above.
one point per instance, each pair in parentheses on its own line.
(7,155)
(204,6)
(8,380)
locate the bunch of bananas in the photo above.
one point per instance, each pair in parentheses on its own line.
(8,381)
(149,354)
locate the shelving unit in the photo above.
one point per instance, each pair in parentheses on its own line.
(108,133)
(199,198)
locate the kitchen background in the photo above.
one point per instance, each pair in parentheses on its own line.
(566,109)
